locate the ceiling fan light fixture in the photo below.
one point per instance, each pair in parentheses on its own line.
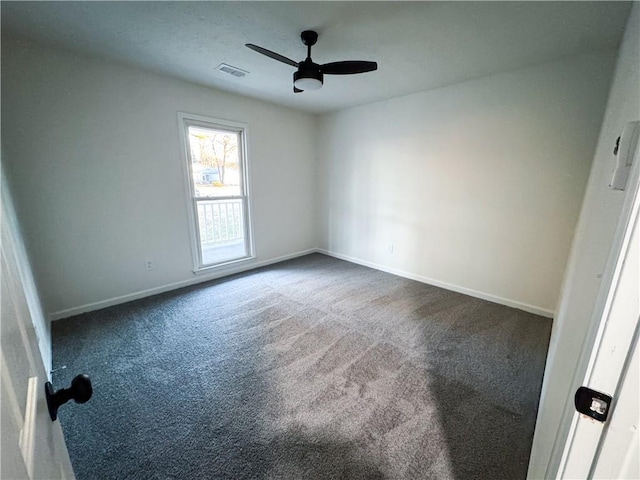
(308,84)
(306,80)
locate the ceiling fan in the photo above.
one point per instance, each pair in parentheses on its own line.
(309,75)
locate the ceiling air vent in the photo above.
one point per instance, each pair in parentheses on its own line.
(236,72)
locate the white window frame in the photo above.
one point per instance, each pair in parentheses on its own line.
(185,120)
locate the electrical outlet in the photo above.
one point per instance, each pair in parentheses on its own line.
(148,265)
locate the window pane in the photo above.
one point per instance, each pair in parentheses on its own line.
(215,165)
(221,227)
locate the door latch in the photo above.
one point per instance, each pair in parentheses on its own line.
(593,404)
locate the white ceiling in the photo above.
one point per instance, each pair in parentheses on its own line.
(418,45)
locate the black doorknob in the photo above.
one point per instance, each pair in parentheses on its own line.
(80,390)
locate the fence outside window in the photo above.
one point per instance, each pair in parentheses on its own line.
(220,221)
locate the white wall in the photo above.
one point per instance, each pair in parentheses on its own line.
(94,160)
(477,185)
(591,246)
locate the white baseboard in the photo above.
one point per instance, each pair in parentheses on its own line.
(437,283)
(243,267)
(232,269)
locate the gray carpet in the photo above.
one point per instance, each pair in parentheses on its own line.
(313,368)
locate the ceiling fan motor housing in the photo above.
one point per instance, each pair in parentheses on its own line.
(308,69)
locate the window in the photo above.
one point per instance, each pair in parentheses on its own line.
(216,174)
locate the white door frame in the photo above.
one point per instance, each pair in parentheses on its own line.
(608,346)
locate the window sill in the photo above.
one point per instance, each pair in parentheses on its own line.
(221,267)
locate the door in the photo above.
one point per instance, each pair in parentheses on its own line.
(610,361)
(32,446)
